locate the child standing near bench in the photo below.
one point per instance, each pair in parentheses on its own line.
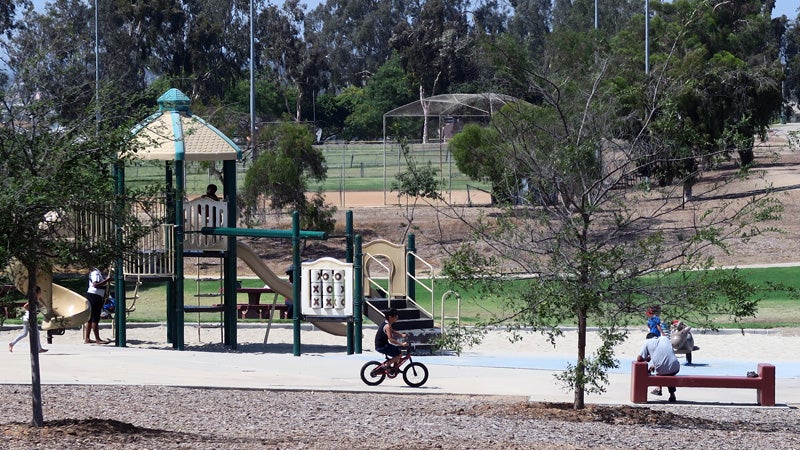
(654,320)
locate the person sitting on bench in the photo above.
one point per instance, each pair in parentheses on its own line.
(658,350)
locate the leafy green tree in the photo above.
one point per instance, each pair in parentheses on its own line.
(354,36)
(293,65)
(490,18)
(596,249)
(55,171)
(64,56)
(531,23)
(476,155)
(8,9)
(434,49)
(282,171)
(714,84)
(332,111)
(414,184)
(791,55)
(54,55)
(389,88)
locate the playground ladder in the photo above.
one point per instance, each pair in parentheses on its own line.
(199,294)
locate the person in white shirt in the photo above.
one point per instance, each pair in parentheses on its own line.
(96,296)
(657,350)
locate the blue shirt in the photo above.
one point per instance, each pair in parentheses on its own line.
(653,323)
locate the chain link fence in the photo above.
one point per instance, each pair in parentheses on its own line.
(373,166)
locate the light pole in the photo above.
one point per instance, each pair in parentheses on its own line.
(96,68)
(646,36)
(252,87)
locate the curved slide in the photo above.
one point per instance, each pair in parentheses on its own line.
(63,308)
(281,286)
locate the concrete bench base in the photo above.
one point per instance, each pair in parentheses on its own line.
(764,384)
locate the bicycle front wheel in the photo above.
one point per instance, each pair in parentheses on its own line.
(371,374)
(416,374)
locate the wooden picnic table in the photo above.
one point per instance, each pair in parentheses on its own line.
(254,294)
(253,309)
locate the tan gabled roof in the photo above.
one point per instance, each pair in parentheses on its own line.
(173,134)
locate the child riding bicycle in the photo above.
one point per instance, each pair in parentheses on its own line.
(387,339)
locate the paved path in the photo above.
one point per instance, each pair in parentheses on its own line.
(326,366)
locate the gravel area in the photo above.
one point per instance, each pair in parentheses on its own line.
(148,417)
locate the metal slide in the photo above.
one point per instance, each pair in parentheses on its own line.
(62,308)
(282,287)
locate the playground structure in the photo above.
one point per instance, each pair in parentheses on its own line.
(203,228)
(174,135)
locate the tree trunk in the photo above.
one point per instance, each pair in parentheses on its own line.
(580,367)
(33,338)
(425,109)
(298,111)
(687,192)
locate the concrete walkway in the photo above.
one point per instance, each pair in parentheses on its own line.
(324,365)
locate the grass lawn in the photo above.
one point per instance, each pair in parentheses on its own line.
(777,309)
(361,170)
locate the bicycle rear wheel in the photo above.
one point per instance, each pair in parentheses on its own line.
(371,374)
(416,374)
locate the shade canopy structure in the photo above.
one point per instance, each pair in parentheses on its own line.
(175,134)
(457,105)
(470,107)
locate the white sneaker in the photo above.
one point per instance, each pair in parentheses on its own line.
(656,391)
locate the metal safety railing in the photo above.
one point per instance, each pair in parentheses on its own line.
(457,317)
(372,281)
(419,282)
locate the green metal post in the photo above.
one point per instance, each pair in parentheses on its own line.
(348,235)
(170,206)
(230,274)
(119,275)
(171,313)
(358,293)
(351,336)
(411,285)
(297,280)
(179,301)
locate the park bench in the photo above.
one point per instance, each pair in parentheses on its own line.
(764,383)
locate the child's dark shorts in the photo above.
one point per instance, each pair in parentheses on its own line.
(389,350)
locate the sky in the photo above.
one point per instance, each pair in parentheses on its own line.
(786,8)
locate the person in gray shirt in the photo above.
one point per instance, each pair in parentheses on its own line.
(658,351)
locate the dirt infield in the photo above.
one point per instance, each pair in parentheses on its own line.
(351,199)
(379,215)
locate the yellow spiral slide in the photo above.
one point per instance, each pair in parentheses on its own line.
(61,307)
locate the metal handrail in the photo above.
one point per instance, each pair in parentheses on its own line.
(429,289)
(371,281)
(458,309)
